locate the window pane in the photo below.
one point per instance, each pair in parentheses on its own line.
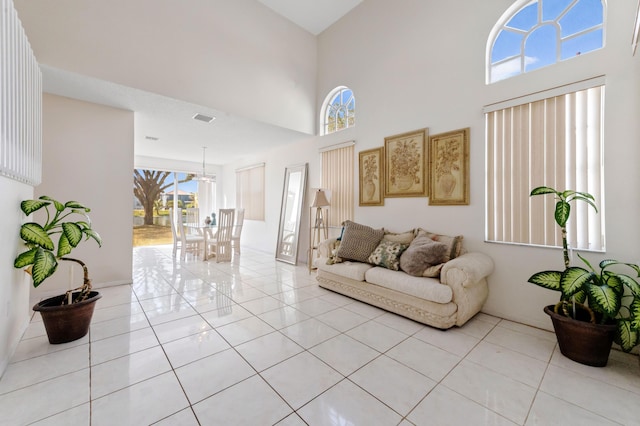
(507,44)
(584,15)
(583,44)
(540,48)
(505,69)
(525,19)
(552,9)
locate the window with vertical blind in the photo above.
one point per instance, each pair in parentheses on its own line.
(551,139)
(337,178)
(250,191)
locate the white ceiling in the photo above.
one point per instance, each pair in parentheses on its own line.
(170,121)
(314,16)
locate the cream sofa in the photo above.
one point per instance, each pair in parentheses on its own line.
(450,299)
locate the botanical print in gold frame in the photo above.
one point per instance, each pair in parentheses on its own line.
(406,165)
(371,172)
(449,168)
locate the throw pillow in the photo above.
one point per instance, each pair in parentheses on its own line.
(402,238)
(423,254)
(333,258)
(358,241)
(454,244)
(387,254)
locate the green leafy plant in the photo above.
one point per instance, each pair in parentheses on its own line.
(41,257)
(599,296)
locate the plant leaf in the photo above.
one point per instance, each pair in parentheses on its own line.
(634,310)
(573,279)
(30,206)
(580,296)
(630,283)
(626,336)
(93,234)
(44,265)
(604,299)
(547,279)
(542,190)
(25,258)
(64,247)
(77,205)
(73,233)
(35,234)
(562,213)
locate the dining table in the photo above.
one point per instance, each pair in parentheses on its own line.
(207,231)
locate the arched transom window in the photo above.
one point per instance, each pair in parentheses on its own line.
(536,33)
(338,110)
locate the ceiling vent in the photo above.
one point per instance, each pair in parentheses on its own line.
(205,118)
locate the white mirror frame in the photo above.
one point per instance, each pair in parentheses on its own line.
(293,194)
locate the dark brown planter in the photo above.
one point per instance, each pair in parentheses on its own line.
(66,323)
(582,341)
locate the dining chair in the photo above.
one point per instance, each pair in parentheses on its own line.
(186,243)
(237,230)
(220,246)
(192,216)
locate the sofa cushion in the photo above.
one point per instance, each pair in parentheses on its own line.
(387,254)
(358,241)
(422,254)
(454,244)
(402,237)
(420,287)
(347,269)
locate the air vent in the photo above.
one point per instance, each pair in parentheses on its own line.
(205,118)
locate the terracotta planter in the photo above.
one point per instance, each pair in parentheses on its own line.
(66,323)
(582,341)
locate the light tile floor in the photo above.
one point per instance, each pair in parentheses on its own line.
(257,342)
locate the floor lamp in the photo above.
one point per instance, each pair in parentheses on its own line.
(319,227)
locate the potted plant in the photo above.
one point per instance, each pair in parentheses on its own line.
(66,317)
(596,307)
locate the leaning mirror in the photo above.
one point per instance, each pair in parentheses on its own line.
(295,183)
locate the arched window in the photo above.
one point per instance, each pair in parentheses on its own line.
(535,33)
(338,110)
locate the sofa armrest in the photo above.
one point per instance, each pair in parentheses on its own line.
(326,247)
(467,269)
(466,275)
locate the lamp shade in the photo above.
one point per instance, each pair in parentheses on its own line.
(320,199)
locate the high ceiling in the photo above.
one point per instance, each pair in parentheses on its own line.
(160,121)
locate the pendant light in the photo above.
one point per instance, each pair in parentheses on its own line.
(203,177)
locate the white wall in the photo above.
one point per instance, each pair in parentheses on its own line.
(88,157)
(14,283)
(414,64)
(262,235)
(236,56)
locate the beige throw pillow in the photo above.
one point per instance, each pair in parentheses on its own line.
(422,255)
(454,244)
(358,241)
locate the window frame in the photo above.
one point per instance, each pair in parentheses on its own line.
(511,12)
(327,107)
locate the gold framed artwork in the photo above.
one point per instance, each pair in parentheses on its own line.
(371,172)
(449,168)
(406,165)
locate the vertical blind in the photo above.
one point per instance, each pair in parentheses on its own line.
(337,178)
(556,142)
(20,102)
(250,191)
